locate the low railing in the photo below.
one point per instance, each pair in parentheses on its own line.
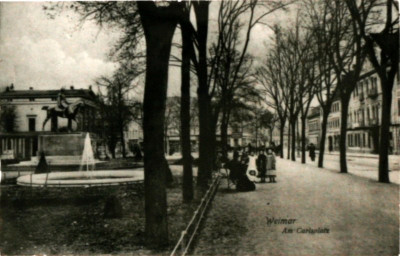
(182,247)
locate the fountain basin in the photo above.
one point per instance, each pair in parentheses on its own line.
(82,179)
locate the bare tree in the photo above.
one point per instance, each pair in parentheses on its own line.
(117,102)
(186,149)
(322,27)
(230,63)
(288,65)
(159,23)
(156,22)
(346,54)
(383,52)
(271,78)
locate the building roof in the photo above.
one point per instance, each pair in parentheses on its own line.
(19,94)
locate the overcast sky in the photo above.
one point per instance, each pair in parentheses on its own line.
(44,53)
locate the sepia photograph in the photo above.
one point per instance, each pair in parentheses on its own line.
(200,127)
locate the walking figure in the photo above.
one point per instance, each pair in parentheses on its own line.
(311,149)
(262,165)
(271,167)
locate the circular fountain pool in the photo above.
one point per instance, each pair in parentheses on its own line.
(82,179)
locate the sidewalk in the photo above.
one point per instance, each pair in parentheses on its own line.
(363,155)
(360,215)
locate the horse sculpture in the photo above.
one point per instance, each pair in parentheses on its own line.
(69,112)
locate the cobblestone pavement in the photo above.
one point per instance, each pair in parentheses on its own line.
(360,214)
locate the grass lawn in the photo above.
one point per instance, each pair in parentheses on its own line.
(71,221)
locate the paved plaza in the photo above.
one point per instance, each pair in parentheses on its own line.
(310,211)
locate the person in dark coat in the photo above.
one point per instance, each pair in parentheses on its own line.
(235,168)
(244,158)
(262,165)
(235,154)
(311,149)
(243,183)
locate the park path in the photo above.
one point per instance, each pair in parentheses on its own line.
(361,215)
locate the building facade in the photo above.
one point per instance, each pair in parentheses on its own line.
(22,141)
(363,118)
(313,127)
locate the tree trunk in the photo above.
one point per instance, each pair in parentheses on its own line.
(293,126)
(344,99)
(204,101)
(281,133)
(224,135)
(385,131)
(122,140)
(288,140)
(212,144)
(187,183)
(323,135)
(159,30)
(112,147)
(303,139)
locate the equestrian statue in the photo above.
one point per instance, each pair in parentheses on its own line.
(63,110)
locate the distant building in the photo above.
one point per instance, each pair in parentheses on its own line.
(333,126)
(22,142)
(363,118)
(313,130)
(240,133)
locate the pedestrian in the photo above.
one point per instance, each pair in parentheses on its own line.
(218,162)
(244,184)
(271,167)
(273,146)
(252,172)
(244,158)
(262,165)
(235,168)
(250,148)
(311,149)
(236,154)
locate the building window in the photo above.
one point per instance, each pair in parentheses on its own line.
(364,142)
(9,100)
(54,99)
(32,124)
(369,140)
(31,99)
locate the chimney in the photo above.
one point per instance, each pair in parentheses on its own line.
(90,87)
(12,87)
(72,87)
(31,88)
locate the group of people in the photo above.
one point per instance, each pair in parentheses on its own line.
(246,169)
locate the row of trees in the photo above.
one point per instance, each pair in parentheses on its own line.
(118,106)
(300,65)
(221,71)
(321,55)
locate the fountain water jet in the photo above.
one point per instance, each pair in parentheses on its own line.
(87,155)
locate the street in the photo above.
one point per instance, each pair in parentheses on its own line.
(310,211)
(364,165)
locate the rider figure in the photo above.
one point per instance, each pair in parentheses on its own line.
(62,102)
